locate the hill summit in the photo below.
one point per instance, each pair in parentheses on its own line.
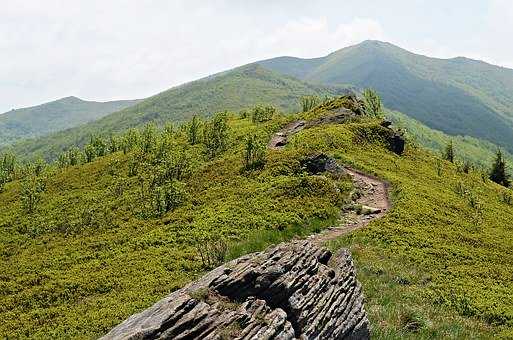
(54,116)
(459,96)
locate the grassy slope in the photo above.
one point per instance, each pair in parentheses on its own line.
(232,90)
(435,258)
(55,116)
(479,152)
(457,96)
(87,259)
(436,251)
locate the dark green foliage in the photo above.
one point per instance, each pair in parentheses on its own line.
(215,135)
(90,153)
(498,172)
(32,188)
(309,102)
(149,138)
(372,103)
(167,197)
(71,157)
(194,130)
(254,152)
(114,144)
(262,113)
(449,152)
(130,140)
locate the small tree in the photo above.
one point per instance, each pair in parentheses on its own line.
(149,138)
(32,188)
(114,144)
(130,140)
(254,155)
(4,178)
(90,153)
(215,135)
(168,197)
(449,152)
(498,173)
(262,113)
(39,167)
(193,130)
(309,102)
(74,156)
(8,164)
(372,103)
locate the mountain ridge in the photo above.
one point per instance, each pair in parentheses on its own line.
(54,116)
(459,96)
(235,89)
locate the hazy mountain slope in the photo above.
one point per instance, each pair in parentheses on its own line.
(457,96)
(231,90)
(53,116)
(478,151)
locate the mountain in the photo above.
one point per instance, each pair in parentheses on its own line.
(459,96)
(232,90)
(54,116)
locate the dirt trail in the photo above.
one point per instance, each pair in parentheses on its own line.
(373,193)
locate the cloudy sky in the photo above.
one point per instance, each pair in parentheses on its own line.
(125,49)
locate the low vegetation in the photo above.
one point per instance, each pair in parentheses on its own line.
(453,248)
(110,232)
(111,228)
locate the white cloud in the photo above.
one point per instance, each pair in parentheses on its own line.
(117,49)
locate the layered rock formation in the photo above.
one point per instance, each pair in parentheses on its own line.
(291,291)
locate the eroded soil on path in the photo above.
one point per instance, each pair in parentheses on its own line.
(372,193)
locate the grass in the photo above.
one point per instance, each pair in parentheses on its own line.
(460,245)
(90,256)
(438,265)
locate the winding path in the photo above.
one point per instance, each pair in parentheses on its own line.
(373,192)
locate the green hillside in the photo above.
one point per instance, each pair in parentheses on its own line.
(476,151)
(55,116)
(84,246)
(458,96)
(232,90)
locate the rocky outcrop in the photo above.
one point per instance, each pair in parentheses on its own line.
(291,291)
(319,163)
(280,139)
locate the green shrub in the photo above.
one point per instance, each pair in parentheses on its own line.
(372,103)
(262,113)
(498,172)
(254,152)
(215,135)
(194,130)
(449,152)
(32,188)
(309,102)
(167,197)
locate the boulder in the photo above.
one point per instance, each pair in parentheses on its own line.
(291,291)
(319,163)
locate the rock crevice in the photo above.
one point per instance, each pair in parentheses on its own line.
(285,292)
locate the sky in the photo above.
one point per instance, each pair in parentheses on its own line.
(126,49)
